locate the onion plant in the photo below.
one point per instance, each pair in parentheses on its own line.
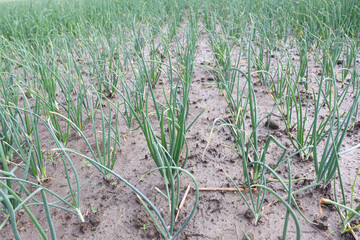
(107,137)
(156,60)
(351,211)
(263,188)
(22,194)
(303,71)
(247,145)
(23,127)
(6,141)
(279,81)
(326,164)
(298,103)
(262,51)
(349,58)
(295,102)
(167,168)
(166,230)
(138,37)
(128,93)
(169,148)
(73,89)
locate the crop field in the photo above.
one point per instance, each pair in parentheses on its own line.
(181,119)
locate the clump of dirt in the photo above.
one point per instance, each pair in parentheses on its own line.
(272,124)
(92,221)
(322,223)
(145,224)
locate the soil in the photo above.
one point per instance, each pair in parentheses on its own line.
(112,211)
